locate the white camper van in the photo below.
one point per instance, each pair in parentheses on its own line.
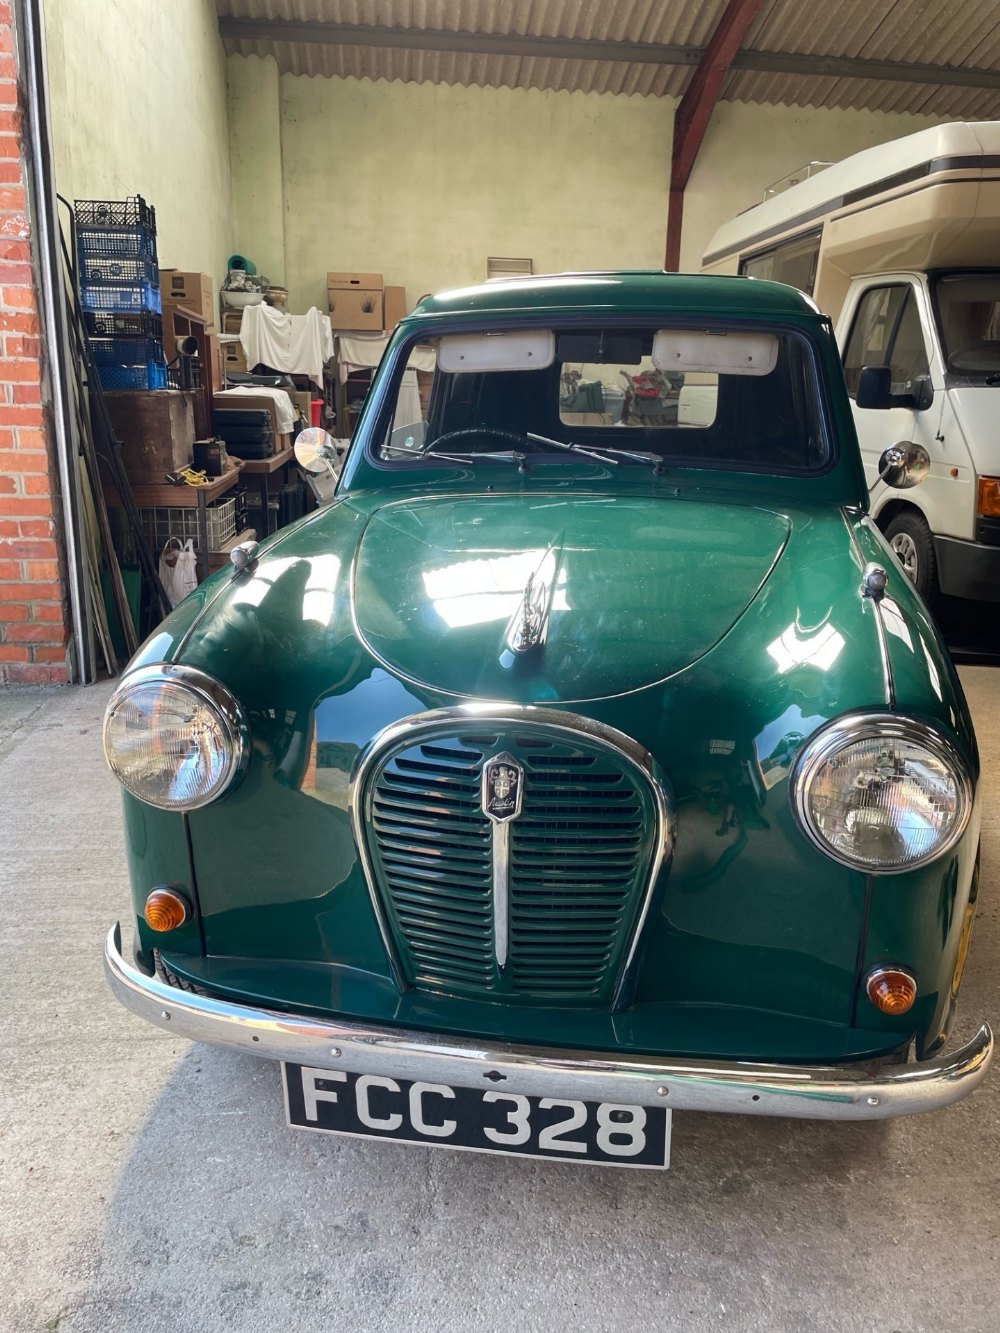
(900,245)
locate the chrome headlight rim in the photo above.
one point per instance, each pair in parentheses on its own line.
(845,731)
(208,691)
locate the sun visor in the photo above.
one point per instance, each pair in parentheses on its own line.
(735,352)
(525,349)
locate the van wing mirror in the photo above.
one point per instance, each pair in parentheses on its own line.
(874,387)
(875,391)
(923,393)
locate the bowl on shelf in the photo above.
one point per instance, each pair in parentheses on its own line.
(241,299)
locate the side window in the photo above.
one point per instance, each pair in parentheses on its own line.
(886,332)
(908,354)
(793,262)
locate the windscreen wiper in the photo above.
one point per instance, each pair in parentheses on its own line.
(488,455)
(636,456)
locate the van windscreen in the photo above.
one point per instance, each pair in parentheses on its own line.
(968,313)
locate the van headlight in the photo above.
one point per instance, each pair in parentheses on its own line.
(882,793)
(174,737)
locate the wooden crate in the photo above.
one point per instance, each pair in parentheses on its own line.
(157,431)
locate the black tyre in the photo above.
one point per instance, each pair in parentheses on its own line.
(912,543)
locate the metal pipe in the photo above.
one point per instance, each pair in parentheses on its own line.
(52,308)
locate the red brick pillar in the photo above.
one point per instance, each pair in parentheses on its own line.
(34,618)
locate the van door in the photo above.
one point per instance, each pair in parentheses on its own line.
(887,329)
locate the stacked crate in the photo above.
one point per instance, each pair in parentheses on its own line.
(120,291)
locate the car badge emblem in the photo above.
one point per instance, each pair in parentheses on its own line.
(503,789)
(503,778)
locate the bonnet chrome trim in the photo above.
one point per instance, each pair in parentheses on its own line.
(872,604)
(502,714)
(814,1092)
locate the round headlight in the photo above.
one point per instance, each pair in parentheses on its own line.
(174,737)
(882,793)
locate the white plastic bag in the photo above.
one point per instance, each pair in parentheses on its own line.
(178,569)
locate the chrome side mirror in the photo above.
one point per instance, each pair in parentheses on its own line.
(315,450)
(904,465)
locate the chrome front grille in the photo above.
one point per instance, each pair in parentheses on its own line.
(581,854)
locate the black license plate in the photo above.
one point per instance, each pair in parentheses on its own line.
(477,1120)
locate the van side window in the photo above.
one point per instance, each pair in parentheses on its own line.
(886,332)
(793,262)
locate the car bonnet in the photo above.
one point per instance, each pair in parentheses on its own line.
(551,597)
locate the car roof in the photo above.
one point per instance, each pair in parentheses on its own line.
(628,291)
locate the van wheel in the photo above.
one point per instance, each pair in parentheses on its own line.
(912,543)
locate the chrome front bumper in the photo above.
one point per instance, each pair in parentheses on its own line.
(815,1092)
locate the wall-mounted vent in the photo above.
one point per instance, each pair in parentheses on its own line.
(498,266)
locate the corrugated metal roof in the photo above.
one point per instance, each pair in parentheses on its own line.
(925,32)
(963,33)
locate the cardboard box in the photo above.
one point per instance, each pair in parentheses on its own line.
(346,282)
(232,320)
(393,306)
(193,290)
(234,356)
(356,309)
(425,379)
(301,398)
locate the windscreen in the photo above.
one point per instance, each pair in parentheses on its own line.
(968,311)
(733,398)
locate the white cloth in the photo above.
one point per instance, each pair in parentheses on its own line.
(296,344)
(408,400)
(358,351)
(287,414)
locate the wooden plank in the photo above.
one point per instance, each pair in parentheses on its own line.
(149,496)
(258,465)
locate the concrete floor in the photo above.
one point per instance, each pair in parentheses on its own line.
(149,1184)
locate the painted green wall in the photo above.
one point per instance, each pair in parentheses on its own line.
(255,155)
(423,182)
(138,98)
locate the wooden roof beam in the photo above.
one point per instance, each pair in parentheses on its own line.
(695,111)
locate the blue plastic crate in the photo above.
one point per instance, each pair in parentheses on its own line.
(114,324)
(126,351)
(150,376)
(138,298)
(118,271)
(125,243)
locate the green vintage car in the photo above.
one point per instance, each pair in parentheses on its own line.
(588,757)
